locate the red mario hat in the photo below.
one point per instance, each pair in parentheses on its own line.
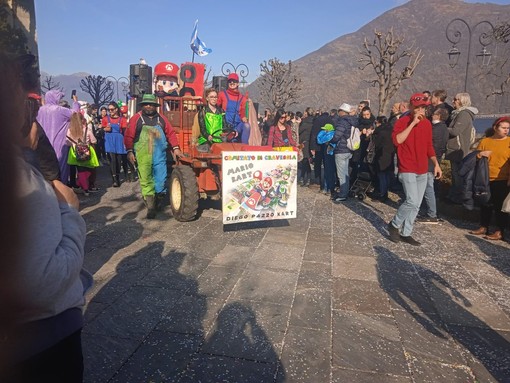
(233,77)
(166,68)
(419,99)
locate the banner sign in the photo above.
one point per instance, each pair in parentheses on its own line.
(259,186)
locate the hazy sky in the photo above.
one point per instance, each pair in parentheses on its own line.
(103,37)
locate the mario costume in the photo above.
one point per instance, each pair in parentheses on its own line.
(234,105)
(147,137)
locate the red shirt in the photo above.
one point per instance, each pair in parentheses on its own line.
(234,96)
(414,152)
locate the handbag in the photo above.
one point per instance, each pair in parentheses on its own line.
(505,208)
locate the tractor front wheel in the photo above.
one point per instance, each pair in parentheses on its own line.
(183,193)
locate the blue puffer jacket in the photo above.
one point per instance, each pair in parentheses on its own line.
(342,126)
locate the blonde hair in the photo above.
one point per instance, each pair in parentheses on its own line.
(464,99)
(76,127)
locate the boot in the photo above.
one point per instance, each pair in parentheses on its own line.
(480,231)
(496,236)
(160,201)
(150,202)
(116,181)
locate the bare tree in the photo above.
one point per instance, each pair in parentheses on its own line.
(279,86)
(384,54)
(99,88)
(500,70)
(49,83)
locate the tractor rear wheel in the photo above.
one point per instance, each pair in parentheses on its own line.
(183,193)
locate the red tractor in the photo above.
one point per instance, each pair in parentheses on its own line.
(196,175)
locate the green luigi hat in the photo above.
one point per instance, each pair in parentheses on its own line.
(149,99)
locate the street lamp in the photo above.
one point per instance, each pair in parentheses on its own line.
(241,69)
(125,85)
(454,35)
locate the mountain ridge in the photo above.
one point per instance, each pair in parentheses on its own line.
(330,74)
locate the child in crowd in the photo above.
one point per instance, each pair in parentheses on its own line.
(80,131)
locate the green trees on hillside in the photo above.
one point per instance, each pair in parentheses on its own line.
(385,54)
(279,86)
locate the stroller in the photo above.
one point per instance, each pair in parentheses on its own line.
(361,185)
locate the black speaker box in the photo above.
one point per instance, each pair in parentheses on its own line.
(219,82)
(140,77)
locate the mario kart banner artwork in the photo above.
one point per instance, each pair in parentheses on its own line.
(259,186)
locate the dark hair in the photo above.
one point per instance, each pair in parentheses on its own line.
(299,114)
(333,112)
(31,109)
(381,120)
(365,109)
(104,108)
(113,103)
(278,114)
(440,94)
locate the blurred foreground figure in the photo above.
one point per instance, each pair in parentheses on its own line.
(43,237)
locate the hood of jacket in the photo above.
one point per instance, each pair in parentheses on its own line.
(53,97)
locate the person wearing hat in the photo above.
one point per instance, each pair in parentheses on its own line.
(147,138)
(343,123)
(234,105)
(412,135)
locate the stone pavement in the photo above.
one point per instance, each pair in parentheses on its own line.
(321,298)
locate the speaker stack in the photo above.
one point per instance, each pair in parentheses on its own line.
(219,82)
(140,76)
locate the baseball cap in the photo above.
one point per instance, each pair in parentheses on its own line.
(345,107)
(233,77)
(419,99)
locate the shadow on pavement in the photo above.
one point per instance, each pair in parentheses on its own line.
(497,253)
(446,314)
(152,322)
(104,239)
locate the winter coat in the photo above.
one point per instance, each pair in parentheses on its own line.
(384,148)
(439,139)
(343,126)
(305,130)
(475,186)
(318,123)
(461,133)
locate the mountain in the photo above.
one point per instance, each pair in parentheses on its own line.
(330,75)
(68,83)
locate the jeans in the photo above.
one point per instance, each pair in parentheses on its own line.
(329,173)
(342,171)
(385,180)
(414,189)
(430,196)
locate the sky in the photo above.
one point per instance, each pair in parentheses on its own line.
(103,37)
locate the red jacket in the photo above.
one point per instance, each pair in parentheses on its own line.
(414,152)
(135,127)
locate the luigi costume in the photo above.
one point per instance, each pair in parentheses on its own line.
(146,139)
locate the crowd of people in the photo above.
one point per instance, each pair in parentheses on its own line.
(50,152)
(402,152)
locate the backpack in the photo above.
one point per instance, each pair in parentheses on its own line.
(354,141)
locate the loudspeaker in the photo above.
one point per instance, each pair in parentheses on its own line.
(219,82)
(140,76)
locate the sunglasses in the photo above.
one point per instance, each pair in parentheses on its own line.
(282,117)
(112,109)
(233,82)
(420,98)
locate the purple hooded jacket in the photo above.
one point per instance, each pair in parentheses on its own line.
(54,120)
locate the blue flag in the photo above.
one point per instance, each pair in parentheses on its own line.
(197,45)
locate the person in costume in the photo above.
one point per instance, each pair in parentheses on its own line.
(211,120)
(234,104)
(54,120)
(147,138)
(114,125)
